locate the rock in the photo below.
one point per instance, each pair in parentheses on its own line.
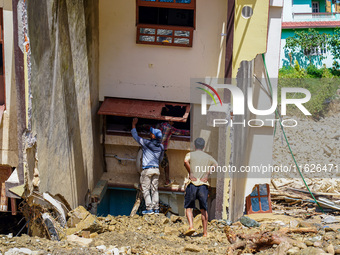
(283,248)
(125,250)
(93,235)
(198,222)
(293,251)
(38,252)
(248,222)
(16,251)
(79,240)
(101,248)
(309,243)
(294,224)
(330,249)
(170,231)
(317,244)
(71,231)
(300,245)
(192,248)
(315,238)
(329,219)
(165,220)
(76,216)
(312,251)
(175,218)
(90,223)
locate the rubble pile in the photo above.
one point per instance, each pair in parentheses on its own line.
(315,145)
(158,234)
(316,148)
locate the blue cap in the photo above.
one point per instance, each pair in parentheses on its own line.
(157,133)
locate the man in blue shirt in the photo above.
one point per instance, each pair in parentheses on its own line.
(153,152)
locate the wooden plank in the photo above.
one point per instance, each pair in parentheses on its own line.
(13,206)
(99,191)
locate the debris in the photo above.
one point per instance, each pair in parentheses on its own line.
(248,222)
(192,248)
(329,219)
(79,240)
(175,218)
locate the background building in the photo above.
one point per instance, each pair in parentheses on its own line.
(298,15)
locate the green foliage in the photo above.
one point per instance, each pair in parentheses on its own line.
(334,47)
(321,83)
(306,43)
(314,71)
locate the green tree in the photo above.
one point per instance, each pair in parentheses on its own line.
(309,43)
(334,47)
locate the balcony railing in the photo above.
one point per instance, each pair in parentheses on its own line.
(315,16)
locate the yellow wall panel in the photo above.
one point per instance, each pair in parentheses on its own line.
(250,35)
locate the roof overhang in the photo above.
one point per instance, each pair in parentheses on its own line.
(310,24)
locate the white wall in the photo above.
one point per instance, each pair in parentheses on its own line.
(8,128)
(153,72)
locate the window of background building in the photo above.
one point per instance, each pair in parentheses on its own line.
(315,7)
(165,22)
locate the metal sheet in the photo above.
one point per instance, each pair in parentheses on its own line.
(140,108)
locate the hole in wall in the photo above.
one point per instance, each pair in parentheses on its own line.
(247,12)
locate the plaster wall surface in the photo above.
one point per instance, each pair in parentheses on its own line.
(64,46)
(131,70)
(8,127)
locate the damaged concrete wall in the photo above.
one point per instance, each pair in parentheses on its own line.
(64,84)
(8,127)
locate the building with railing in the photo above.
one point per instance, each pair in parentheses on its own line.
(298,15)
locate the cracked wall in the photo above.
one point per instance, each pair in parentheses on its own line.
(64,85)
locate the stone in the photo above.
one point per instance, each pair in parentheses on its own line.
(293,251)
(101,248)
(317,244)
(309,243)
(170,230)
(283,248)
(90,223)
(192,248)
(294,224)
(330,249)
(300,245)
(79,240)
(312,251)
(40,252)
(85,234)
(17,251)
(175,218)
(93,235)
(71,231)
(76,216)
(248,222)
(165,220)
(198,222)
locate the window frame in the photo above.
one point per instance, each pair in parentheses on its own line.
(172,5)
(318,7)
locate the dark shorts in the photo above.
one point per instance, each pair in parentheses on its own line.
(165,161)
(193,192)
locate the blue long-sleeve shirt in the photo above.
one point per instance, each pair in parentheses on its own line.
(153,150)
